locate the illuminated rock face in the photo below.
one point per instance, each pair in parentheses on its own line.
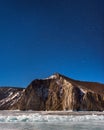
(60,93)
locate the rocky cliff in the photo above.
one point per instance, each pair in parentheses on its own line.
(55,93)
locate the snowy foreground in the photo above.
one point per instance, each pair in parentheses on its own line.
(49,120)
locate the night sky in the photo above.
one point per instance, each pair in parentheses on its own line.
(42,37)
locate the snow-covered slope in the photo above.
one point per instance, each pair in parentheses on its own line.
(9,96)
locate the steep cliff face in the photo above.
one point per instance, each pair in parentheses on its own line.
(54,93)
(61,93)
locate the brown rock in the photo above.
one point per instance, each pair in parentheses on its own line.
(60,93)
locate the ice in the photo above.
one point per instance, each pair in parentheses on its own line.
(49,120)
(45,117)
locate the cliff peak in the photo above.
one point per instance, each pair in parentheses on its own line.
(54,76)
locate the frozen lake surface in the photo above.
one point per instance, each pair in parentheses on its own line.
(49,120)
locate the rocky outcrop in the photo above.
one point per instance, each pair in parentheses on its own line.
(9,96)
(59,93)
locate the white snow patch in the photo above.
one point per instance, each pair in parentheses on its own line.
(82,90)
(10,93)
(52,77)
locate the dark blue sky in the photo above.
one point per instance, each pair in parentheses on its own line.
(40,37)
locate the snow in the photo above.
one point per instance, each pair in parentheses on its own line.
(82,90)
(52,77)
(11,98)
(15,95)
(10,93)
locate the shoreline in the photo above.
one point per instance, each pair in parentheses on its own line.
(60,113)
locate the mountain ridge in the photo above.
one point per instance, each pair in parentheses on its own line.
(57,92)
